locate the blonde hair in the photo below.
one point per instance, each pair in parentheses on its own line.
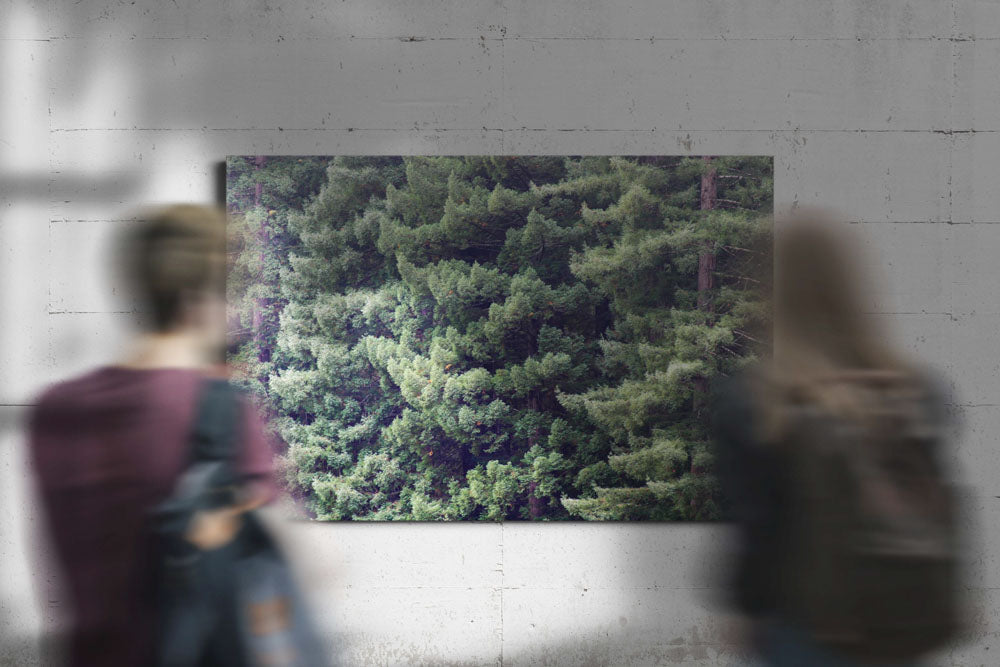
(177,252)
(827,351)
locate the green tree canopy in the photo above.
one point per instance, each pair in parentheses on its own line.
(492,338)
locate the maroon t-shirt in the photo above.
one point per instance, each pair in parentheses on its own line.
(107,447)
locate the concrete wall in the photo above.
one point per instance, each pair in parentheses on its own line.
(887,109)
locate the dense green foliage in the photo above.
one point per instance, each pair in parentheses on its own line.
(488,338)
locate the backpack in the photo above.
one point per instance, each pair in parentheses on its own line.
(872,563)
(238,604)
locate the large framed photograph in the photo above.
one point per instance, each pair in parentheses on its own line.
(497,338)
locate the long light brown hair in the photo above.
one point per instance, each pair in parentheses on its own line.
(827,351)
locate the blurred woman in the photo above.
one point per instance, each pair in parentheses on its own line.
(830,455)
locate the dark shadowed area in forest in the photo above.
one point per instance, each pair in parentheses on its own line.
(494,337)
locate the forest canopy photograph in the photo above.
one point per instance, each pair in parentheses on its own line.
(490,338)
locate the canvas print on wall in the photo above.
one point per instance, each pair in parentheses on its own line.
(493,337)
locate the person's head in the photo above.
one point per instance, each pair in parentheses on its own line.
(818,293)
(821,331)
(176,263)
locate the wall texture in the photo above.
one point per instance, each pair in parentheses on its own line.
(886,109)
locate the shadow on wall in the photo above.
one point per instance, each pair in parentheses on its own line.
(21,581)
(614,593)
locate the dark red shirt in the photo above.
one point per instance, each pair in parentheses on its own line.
(107,447)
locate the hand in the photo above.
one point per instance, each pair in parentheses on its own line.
(212,529)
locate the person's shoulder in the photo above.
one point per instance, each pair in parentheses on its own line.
(933,383)
(937,394)
(60,404)
(68,392)
(932,388)
(116,387)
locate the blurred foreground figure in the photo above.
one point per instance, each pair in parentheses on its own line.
(110,447)
(831,454)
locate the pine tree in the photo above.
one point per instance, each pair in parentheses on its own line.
(502,337)
(263,192)
(681,287)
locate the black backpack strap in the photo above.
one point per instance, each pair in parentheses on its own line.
(193,587)
(215,433)
(210,479)
(214,441)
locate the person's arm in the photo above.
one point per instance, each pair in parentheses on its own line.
(211,529)
(255,463)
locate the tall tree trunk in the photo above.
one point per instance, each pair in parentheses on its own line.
(706,261)
(706,270)
(536,505)
(261,303)
(258,188)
